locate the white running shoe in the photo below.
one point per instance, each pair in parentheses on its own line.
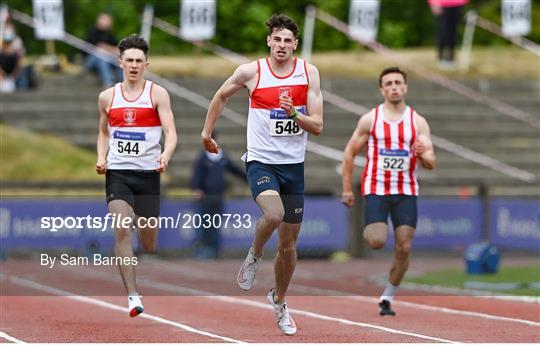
(246,274)
(135,305)
(284,320)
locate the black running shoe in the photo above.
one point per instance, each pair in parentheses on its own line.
(385,308)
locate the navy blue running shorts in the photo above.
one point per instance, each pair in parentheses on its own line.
(286,179)
(402,209)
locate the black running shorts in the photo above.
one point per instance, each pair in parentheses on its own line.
(140,189)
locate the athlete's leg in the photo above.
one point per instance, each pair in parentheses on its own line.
(147,203)
(376,234)
(147,234)
(272,208)
(122,246)
(404,235)
(376,209)
(285,261)
(404,213)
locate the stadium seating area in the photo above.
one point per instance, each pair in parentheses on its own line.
(66,106)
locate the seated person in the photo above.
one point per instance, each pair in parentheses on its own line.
(10,63)
(102,37)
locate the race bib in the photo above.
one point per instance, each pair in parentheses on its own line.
(281,125)
(132,144)
(393,160)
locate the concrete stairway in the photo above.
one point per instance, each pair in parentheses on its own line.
(67,106)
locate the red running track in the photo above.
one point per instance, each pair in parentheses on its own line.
(199,302)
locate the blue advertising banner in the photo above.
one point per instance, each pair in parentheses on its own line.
(446,223)
(515,223)
(443,223)
(77,224)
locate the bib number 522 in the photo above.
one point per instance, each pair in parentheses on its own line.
(392,163)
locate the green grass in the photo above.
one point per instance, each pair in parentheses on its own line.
(458,277)
(27,156)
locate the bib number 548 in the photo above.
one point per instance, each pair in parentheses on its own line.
(286,127)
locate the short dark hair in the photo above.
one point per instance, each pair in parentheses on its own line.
(389,70)
(281,21)
(133,41)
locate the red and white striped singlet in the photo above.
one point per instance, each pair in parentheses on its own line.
(391,167)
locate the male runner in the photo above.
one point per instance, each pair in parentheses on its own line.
(132,116)
(285,104)
(397,138)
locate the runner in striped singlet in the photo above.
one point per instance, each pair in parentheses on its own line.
(398,140)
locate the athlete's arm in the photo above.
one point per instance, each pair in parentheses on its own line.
(104,101)
(163,106)
(354,146)
(240,77)
(314,122)
(423,147)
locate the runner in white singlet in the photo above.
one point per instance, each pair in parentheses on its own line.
(285,105)
(397,140)
(133,115)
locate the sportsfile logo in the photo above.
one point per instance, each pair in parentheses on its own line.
(264,179)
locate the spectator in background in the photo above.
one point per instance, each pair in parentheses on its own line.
(10,63)
(208,185)
(102,37)
(13,74)
(447,14)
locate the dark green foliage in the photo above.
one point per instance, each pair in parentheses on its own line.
(240,26)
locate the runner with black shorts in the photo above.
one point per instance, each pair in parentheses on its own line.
(285,104)
(397,139)
(133,115)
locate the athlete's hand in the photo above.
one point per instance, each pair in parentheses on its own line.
(420,145)
(347,200)
(101,167)
(210,144)
(286,103)
(163,163)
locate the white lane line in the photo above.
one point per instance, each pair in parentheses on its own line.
(473,293)
(341,294)
(149,283)
(330,318)
(447,310)
(94,301)
(10,338)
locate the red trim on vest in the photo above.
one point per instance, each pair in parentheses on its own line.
(375,154)
(285,77)
(151,98)
(250,94)
(413,160)
(139,96)
(112,100)
(305,70)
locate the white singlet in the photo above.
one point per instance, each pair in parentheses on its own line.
(134,131)
(272,137)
